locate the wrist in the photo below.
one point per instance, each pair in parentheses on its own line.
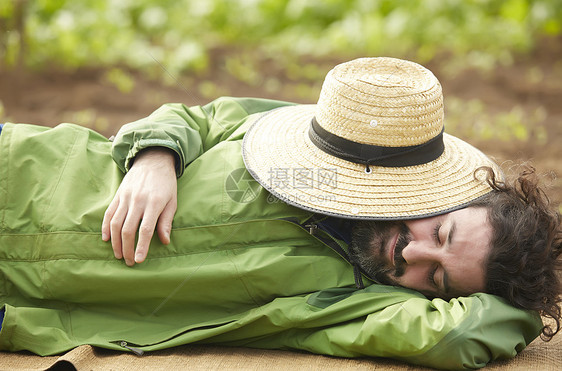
(157,155)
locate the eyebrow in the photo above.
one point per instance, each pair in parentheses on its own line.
(452,231)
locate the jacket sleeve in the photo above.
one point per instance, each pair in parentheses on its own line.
(187,131)
(463,333)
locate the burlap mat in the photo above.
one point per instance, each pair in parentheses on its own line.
(537,356)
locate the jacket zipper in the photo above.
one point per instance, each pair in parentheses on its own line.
(137,351)
(312,228)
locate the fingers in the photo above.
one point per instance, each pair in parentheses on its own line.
(111,226)
(107,217)
(120,224)
(146,231)
(124,219)
(116,225)
(133,217)
(165,221)
(146,200)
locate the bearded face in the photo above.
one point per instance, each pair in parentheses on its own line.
(370,245)
(440,256)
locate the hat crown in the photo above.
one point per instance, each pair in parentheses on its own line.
(381,101)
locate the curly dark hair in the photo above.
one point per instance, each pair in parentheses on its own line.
(524,264)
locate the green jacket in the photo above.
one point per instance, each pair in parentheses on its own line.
(240,270)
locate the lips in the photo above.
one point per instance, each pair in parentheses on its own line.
(392,247)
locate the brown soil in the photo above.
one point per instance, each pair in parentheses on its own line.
(86,97)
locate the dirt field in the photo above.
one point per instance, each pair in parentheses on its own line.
(530,90)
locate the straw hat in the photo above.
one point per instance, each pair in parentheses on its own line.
(372,148)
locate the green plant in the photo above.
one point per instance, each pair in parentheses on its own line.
(180,34)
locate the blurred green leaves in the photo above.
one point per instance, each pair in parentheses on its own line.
(472,119)
(181,34)
(122,80)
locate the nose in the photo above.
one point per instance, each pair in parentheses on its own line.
(417,252)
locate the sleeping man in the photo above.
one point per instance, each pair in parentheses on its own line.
(353,227)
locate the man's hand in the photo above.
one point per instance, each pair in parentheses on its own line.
(146,200)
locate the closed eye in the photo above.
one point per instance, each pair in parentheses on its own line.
(431,276)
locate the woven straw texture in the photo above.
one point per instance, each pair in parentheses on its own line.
(284,160)
(538,356)
(381,101)
(384,102)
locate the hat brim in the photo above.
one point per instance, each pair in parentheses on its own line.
(278,153)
